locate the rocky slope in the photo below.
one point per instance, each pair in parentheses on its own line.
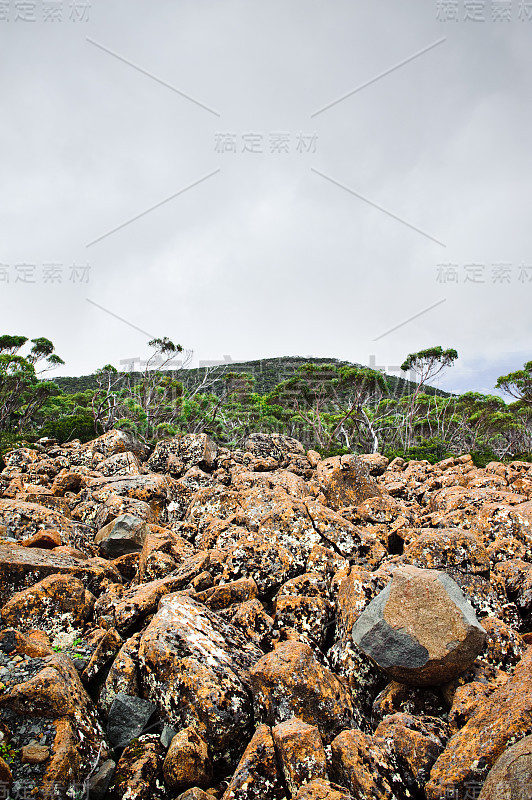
(196,623)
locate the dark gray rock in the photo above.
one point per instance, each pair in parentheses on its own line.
(99,783)
(125,534)
(167,734)
(128,717)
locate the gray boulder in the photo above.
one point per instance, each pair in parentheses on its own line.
(420,629)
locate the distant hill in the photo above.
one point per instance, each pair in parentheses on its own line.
(268,372)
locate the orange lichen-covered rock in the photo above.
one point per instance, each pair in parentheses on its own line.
(196,794)
(103,644)
(415,743)
(504,647)
(300,753)
(375,462)
(496,519)
(123,463)
(345,481)
(309,616)
(383,509)
(420,629)
(53,691)
(354,590)
(505,548)
(156,490)
(349,540)
(263,558)
(412,700)
(161,540)
(67,481)
(257,775)
(517,577)
(178,454)
(362,764)
(504,717)
(194,666)
(323,790)
(58,603)
(292,484)
(38,683)
(123,608)
(466,700)
(34,646)
(291,682)
(106,445)
(21,567)
(25,519)
(187,761)
(64,767)
(511,777)
(123,675)
(211,502)
(6,777)
(24,458)
(273,445)
(448,549)
(44,539)
(325,561)
(226,594)
(139,771)
(252,619)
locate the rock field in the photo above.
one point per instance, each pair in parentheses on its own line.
(262,624)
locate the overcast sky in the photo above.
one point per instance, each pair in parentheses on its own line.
(257,178)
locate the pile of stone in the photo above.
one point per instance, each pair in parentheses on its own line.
(263,624)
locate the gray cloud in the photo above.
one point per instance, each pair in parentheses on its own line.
(266,257)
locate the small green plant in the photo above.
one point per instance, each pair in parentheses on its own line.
(8,753)
(75,644)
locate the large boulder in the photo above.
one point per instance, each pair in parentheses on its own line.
(511,777)
(300,753)
(501,719)
(21,567)
(257,776)
(59,604)
(420,629)
(194,666)
(177,455)
(345,481)
(291,682)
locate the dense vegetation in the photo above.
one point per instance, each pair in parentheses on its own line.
(329,405)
